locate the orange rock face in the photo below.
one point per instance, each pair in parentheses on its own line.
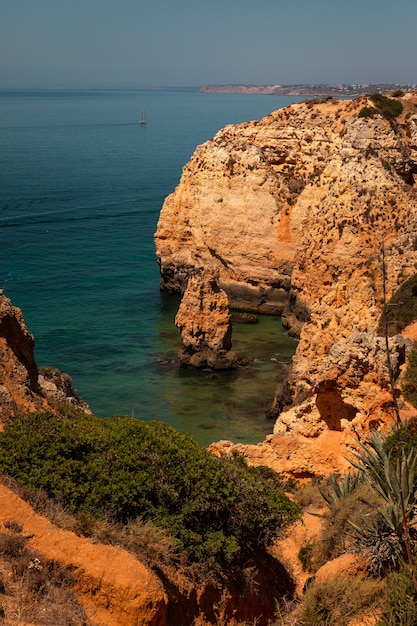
(22,388)
(294,211)
(114,588)
(205,324)
(19,389)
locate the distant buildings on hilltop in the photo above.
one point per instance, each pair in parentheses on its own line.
(342,89)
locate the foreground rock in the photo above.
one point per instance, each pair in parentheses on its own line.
(205,324)
(114,588)
(22,388)
(295,211)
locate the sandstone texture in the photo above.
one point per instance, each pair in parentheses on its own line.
(114,588)
(296,212)
(19,388)
(205,324)
(22,388)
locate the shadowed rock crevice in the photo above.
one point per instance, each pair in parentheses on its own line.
(331,406)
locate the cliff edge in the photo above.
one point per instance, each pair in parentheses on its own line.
(23,387)
(294,212)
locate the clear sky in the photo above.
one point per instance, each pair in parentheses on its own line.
(140,43)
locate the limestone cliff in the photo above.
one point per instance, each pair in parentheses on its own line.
(22,388)
(294,211)
(205,324)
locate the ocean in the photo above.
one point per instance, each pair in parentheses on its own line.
(81,187)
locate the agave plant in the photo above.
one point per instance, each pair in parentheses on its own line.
(339,489)
(393,478)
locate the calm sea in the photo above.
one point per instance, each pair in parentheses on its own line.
(81,187)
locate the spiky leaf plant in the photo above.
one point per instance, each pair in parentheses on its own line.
(392,475)
(339,489)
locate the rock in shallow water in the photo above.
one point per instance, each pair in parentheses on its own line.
(205,324)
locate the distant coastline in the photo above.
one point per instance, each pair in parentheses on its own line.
(309,90)
(314,90)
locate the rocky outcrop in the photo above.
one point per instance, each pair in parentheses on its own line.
(58,386)
(205,324)
(287,206)
(19,388)
(294,211)
(22,388)
(352,392)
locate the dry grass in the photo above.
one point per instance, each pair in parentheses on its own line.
(32,589)
(146,541)
(309,495)
(337,601)
(338,535)
(144,538)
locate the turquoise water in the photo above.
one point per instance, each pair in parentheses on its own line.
(81,187)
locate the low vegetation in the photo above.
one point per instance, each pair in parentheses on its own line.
(217,511)
(409,381)
(401,310)
(371,513)
(338,600)
(156,492)
(32,589)
(389,108)
(318,100)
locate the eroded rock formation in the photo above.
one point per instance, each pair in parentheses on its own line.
(205,324)
(294,211)
(19,388)
(22,388)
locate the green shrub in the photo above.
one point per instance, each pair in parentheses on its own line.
(398,93)
(404,438)
(219,510)
(400,603)
(305,555)
(388,107)
(401,310)
(368,112)
(318,100)
(409,382)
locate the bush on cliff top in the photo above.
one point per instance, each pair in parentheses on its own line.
(121,468)
(387,107)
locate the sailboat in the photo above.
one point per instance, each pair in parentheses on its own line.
(142,120)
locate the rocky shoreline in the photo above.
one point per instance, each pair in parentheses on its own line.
(288,216)
(293,212)
(310,213)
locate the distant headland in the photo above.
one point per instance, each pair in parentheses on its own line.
(340,89)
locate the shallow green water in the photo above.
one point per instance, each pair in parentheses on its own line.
(81,188)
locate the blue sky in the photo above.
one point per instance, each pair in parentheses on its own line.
(138,43)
